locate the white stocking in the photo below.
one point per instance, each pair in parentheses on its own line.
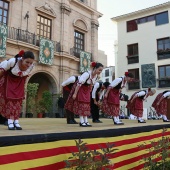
(81,119)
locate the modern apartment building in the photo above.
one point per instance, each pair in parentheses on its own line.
(108,74)
(143,48)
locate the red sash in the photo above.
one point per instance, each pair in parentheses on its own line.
(113,96)
(84,94)
(15,87)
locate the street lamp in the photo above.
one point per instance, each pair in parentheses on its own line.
(26,17)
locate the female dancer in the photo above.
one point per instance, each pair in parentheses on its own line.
(13,74)
(79,99)
(135,104)
(111,102)
(160,104)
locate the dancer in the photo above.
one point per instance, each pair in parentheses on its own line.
(79,99)
(111,102)
(135,104)
(13,74)
(160,104)
(67,86)
(124,97)
(96,97)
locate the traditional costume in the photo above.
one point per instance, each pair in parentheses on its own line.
(111,104)
(12,89)
(97,95)
(67,86)
(161,108)
(81,104)
(136,106)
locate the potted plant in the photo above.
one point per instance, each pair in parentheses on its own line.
(31,90)
(39,110)
(46,103)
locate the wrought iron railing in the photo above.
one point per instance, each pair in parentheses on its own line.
(76,52)
(28,37)
(133,59)
(163,82)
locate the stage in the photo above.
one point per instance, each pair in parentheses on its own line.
(44,143)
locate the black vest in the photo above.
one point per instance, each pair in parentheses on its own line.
(71,84)
(97,91)
(119,85)
(165,92)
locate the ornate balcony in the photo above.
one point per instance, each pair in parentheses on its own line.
(28,37)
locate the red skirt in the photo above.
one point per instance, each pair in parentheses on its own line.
(11,95)
(81,105)
(136,107)
(111,104)
(162,107)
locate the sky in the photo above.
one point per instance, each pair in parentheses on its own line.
(107,32)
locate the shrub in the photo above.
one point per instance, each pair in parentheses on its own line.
(86,159)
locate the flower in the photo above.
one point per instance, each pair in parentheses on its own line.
(21,53)
(126,73)
(93,64)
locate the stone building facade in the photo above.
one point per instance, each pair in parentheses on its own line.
(72,25)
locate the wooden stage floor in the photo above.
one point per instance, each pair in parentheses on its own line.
(33,126)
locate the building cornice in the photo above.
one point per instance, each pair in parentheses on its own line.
(142,12)
(84,5)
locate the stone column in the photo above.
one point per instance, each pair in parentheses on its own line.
(65,12)
(64,36)
(94,39)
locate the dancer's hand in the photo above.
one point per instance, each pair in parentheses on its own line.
(74,96)
(95,102)
(99,104)
(106,95)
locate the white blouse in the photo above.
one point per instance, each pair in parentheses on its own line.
(7,64)
(87,76)
(116,81)
(167,94)
(70,80)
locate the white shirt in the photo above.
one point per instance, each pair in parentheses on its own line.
(116,81)
(86,77)
(96,86)
(141,93)
(7,64)
(70,80)
(167,94)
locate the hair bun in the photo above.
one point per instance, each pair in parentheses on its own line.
(21,53)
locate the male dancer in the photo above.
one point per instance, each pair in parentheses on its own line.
(96,97)
(67,86)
